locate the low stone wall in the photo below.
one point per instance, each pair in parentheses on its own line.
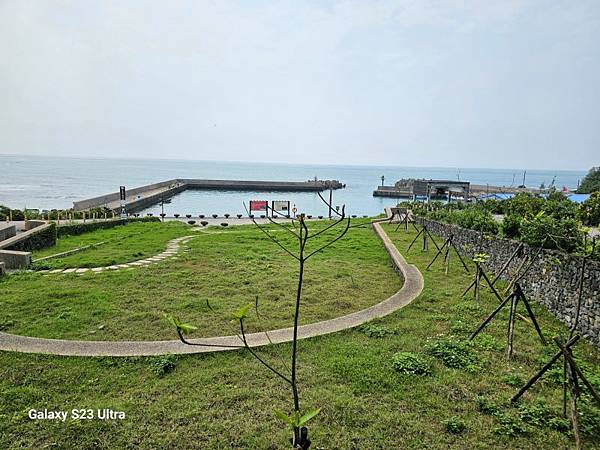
(15,260)
(40,237)
(7,231)
(31,224)
(553,279)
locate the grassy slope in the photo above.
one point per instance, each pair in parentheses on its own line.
(226,267)
(226,400)
(123,244)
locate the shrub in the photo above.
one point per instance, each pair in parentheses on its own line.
(472,218)
(76,229)
(162,365)
(453,353)
(590,419)
(494,206)
(548,232)
(511,226)
(204,223)
(486,405)
(375,330)
(4,213)
(191,222)
(559,206)
(514,380)
(524,205)
(589,211)
(510,426)
(591,182)
(411,364)
(454,425)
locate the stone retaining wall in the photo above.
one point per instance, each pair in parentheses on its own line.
(7,231)
(14,259)
(552,280)
(43,236)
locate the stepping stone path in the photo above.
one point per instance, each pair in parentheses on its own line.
(169,253)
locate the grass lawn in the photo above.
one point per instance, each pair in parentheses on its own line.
(136,240)
(220,271)
(226,400)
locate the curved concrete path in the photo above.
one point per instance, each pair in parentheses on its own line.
(170,252)
(412,287)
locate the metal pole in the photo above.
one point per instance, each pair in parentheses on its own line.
(330,200)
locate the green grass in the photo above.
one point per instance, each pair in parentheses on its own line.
(136,240)
(219,271)
(226,400)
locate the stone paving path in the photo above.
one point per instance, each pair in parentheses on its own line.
(170,252)
(411,289)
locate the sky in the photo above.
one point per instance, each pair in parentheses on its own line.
(407,83)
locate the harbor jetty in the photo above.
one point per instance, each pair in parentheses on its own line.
(144,196)
(444,189)
(420,188)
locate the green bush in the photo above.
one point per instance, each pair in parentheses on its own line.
(4,212)
(454,425)
(494,206)
(162,365)
(486,405)
(591,182)
(453,353)
(548,232)
(510,426)
(75,229)
(557,205)
(590,419)
(589,211)
(470,217)
(411,364)
(511,226)
(376,331)
(524,205)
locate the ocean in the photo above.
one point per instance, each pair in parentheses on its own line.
(56,182)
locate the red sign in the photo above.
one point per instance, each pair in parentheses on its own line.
(258,205)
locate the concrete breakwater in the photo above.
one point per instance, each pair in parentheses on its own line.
(144,196)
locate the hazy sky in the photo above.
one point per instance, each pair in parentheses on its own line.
(422,83)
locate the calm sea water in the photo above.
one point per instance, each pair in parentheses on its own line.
(52,182)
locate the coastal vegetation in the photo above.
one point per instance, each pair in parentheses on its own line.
(553,222)
(591,182)
(7,213)
(413,371)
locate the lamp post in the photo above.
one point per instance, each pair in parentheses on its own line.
(382,180)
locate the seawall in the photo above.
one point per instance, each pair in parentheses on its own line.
(144,196)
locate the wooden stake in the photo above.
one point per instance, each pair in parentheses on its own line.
(511,325)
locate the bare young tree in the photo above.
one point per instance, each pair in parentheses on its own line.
(302,236)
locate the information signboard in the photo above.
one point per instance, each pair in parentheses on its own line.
(258,205)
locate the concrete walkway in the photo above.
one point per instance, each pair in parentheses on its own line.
(412,287)
(170,252)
